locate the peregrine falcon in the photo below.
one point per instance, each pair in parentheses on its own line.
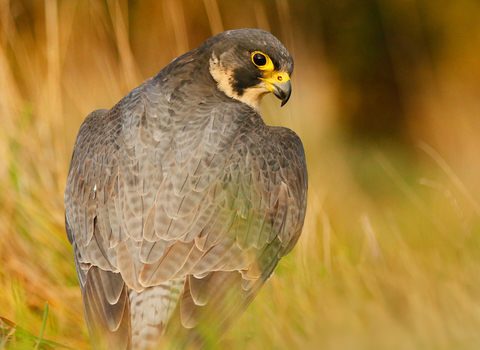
(180,200)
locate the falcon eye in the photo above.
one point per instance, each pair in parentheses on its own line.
(262,61)
(259,59)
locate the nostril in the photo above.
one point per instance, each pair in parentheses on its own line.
(279,78)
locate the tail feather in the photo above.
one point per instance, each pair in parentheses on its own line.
(151,310)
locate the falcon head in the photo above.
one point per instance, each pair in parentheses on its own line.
(249,63)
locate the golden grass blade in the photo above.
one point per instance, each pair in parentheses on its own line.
(451,174)
(118,14)
(261,16)
(214,17)
(175,16)
(406,189)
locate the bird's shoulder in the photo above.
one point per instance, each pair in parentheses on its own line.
(277,152)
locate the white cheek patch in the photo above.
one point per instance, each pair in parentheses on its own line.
(221,76)
(252,96)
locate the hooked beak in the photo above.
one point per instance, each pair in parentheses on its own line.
(282,91)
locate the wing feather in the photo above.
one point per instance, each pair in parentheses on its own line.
(164,191)
(167,266)
(106,308)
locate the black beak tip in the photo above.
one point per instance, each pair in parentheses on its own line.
(283,91)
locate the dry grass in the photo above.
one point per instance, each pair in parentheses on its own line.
(389,258)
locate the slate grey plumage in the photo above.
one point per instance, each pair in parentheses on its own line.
(180,201)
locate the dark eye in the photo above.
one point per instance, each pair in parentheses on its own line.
(259,59)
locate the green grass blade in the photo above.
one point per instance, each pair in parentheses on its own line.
(44,324)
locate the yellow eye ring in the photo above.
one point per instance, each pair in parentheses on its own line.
(262,61)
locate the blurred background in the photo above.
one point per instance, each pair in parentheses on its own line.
(386,98)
